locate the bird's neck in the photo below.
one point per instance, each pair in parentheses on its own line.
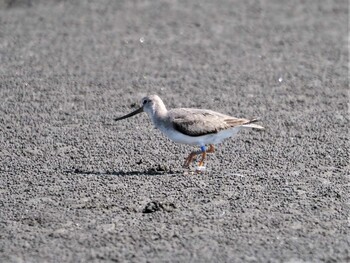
(159,113)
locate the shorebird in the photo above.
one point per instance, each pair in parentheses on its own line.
(192,126)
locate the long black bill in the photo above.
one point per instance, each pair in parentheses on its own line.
(130,114)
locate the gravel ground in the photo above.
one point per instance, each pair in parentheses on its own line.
(75,186)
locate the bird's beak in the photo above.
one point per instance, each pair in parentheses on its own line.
(130,114)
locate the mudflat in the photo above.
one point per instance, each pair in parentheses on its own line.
(75,186)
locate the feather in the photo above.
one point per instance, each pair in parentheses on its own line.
(197,122)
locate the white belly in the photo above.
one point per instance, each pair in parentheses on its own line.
(213,138)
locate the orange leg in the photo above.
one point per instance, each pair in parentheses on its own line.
(204,154)
(211,149)
(201,162)
(190,158)
(192,155)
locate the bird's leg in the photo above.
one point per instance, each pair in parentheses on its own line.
(211,149)
(204,153)
(190,158)
(201,162)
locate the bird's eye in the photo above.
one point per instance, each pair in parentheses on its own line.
(144,102)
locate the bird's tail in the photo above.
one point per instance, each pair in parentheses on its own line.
(251,124)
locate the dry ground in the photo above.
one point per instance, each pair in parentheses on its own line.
(74,185)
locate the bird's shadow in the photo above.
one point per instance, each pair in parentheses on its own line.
(148,172)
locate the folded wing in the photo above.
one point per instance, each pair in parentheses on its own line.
(197,122)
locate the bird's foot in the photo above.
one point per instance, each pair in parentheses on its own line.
(200,169)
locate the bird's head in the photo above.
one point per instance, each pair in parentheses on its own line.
(149,104)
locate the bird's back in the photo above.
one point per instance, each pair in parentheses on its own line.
(198,122)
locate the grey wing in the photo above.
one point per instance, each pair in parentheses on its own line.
(196,122)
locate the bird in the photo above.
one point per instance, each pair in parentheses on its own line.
(200,127)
